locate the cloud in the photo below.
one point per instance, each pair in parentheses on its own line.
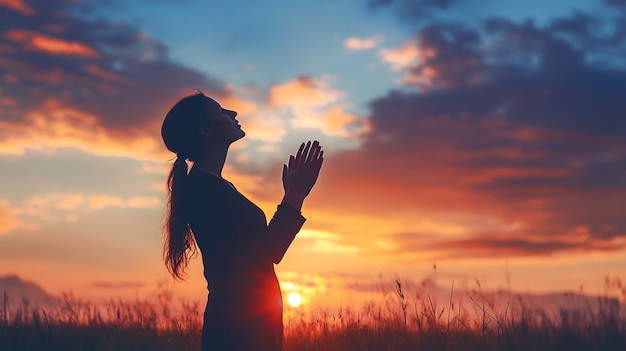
(524,74)
(55,46)
(337,120)
(304,91)
(325,242)
(312,103)
(112,71)
(409,55)
(76,82)
(18,6)
(56,126)
(442,56)
(402,57)
(579,240)
(105,88)
(98,72)
(54,206)
(616,3)
(516,127)
(357,44)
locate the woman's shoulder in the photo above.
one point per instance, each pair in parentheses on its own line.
(205,181)
(205,191)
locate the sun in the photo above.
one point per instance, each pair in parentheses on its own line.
(294,299)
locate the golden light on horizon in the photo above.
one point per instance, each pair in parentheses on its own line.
(294,299)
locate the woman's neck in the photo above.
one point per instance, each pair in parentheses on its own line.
(212,161)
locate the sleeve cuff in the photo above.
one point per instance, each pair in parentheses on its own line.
(285,207)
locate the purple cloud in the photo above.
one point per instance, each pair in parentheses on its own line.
(518,123)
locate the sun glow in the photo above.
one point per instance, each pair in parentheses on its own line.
(294,299)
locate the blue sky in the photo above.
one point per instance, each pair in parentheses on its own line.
(261,43)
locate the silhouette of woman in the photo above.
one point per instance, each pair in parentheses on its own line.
(238,247)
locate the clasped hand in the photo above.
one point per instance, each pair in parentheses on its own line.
(300,174)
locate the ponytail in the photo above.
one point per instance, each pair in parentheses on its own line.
(180,245)
(180,135)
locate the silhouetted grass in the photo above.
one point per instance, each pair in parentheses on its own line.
(116,325)
(395,323)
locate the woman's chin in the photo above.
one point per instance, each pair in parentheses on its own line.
(239,135)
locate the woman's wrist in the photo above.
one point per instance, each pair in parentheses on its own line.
(294,200)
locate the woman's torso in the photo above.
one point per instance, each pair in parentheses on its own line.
(224,223)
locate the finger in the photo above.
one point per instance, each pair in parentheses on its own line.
(299,153)
(291,162)
(285,177)
(318,162)
(318,152)
(318,167)
(314,147)
(305,153)
(313,156)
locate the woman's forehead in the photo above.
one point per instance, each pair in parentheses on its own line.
(229,112)
(212,105)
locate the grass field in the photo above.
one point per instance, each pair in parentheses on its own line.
(395,323)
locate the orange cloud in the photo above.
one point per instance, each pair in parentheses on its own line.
(336,120)
(402,57)
(49,207)
(312,103)
(18,6)
(354,43)
(392,230)
(40,42)
(302,91)
(408,55)
(302,103)
(56,126)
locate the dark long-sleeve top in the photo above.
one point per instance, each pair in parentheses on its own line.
(238,247)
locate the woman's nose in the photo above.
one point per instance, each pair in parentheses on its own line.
(231,113)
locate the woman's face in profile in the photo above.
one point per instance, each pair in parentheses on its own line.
(223,124)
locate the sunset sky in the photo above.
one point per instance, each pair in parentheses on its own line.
(486,137)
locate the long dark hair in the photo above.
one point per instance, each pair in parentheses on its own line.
(180,245)
(179,134)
